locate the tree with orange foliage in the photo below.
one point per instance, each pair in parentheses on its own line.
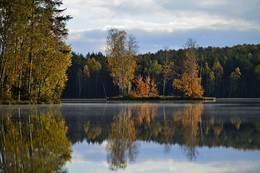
(141,88)
(190,119)
(145,87)
(189,82)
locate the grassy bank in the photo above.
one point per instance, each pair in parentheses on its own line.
(162,98)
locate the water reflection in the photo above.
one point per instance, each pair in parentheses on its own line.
(121,144)
(189,118)
(38,138)
(188,125)
(33,140)
(145,122)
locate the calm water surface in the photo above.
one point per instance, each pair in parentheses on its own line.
(131,137)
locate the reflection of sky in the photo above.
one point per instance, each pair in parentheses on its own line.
(153,158)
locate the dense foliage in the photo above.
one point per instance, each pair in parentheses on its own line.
(33,54)
(224,72)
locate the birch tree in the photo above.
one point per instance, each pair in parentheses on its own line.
(122,64)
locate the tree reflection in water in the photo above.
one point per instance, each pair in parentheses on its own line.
(121,137)
(190,118)
(36,142)
(147,123)
(187,125)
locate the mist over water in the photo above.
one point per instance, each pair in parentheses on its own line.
(132,137)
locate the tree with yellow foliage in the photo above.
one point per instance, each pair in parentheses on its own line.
(120,51)
(189,83)
(234,80)
(34,57)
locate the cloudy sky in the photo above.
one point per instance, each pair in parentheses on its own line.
(157,24)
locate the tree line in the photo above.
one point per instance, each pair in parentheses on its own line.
(192,71)
(33,54)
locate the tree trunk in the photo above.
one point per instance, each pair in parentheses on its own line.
(104,90)
(19,86)
(164,86)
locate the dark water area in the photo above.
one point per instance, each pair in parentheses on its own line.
(223,136)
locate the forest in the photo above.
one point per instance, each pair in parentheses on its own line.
(37,66)
(224,72)
(34,57)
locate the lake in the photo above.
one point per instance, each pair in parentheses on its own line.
(155,137)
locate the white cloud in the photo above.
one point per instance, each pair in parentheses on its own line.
(165,16)
(149,15)
(95,40)
(213,3)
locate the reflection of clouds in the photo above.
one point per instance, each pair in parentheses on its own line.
(87,166)
(192,167)
(92,158)
(91,152)
(170,165)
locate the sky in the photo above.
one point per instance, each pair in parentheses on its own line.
(160,24)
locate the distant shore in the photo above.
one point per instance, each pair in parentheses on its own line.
(141,99)
(163,98)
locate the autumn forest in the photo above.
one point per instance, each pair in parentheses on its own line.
(222,72)
(90,86)
(37,65)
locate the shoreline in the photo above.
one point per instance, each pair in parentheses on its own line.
(168,99)
(162,98)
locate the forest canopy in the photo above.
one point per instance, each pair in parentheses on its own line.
(221,72)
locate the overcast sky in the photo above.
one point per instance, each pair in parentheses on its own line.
(157,24)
